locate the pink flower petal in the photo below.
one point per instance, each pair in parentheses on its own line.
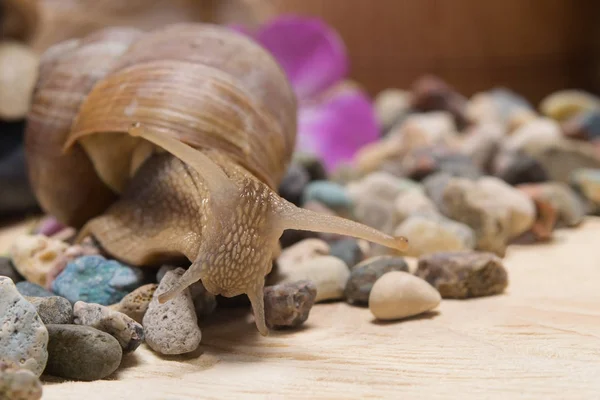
(243,29)
(338,126)
(311,53)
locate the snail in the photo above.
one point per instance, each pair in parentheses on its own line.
(171,143)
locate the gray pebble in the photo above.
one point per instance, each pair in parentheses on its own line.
(363,276)
(53,310)
(172,327)
(348,250)
(129,333)
(289,304)
(23,336)
(33,290)
(81,353)
(7,269)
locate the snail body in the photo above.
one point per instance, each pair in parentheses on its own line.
(172,143)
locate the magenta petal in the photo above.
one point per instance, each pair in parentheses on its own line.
(337,128)
(311,53)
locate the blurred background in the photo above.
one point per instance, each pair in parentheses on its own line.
(533,47)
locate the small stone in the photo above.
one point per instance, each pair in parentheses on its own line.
(312,165)
(432,233)
(583,126)
(397,295)
(162,271)
(413,202)
(20,199)
(363,276)
(18,383)
(571,210)
(434,186)
(172,327)
(546,216)
(328,273)
(424,161)
(391,106)
(32,290)
(81,353)
(481,143)
(292,236)
(532,135)
(302,251)
(460,275)
(498,105)
(53,310)
(331,194)
(136,303)
(379,184)
(129,333)
(521,168)
(23,336)
(94,279)
(34,255)
(587,181)
(376,213)
(293,183)
(7,269)
(430,93)
(425,130)
(521,207)
(289,304)
(348,250)
(564,104)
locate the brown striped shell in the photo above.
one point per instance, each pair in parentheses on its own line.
(206,85)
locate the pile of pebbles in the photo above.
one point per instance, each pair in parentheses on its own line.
(462,178)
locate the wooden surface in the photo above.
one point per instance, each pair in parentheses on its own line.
(540,340)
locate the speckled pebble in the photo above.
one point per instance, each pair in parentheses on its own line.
(95,279)
(23,337)
(7,269)
(379,184)
(136,303)
(81,353)
(376,213)
(34,255)
(53,310)
(564,104)
(18,383)
(431,233)
(391,106)
(289,304)
(363,276)
(129,333)
(460,275)
(397,295)
(87,248)
(172,327)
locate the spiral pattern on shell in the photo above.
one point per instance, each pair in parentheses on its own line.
(206,85)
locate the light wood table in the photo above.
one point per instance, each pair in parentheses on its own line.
(540,340)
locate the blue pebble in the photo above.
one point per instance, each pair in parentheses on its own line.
(94,279)
(331,194)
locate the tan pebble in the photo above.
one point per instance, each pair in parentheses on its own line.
(413,201)
(398,295)
(390,104)
(328,273)
(565,103)
(135,304)
(34,256)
